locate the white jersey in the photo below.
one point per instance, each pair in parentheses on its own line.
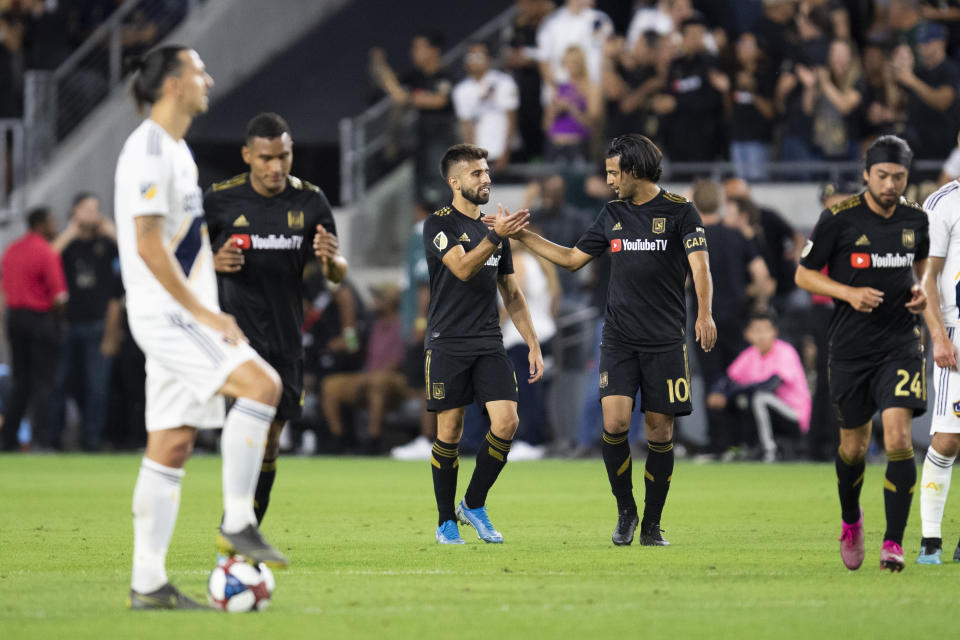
(588,29)
(536,290)
(156,175)
(486,102)
(943,207)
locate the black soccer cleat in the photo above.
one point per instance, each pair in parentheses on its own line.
(626,525)
(956,553)
(249,543)
(166,597)
(650,536)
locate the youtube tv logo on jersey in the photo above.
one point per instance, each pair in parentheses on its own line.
(860,260)
(616,245)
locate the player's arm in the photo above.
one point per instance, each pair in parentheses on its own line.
(705,328)
(944,352)
(159,261)
(465,264)
(863,299)
(918,292)
(516,306)
(570,258)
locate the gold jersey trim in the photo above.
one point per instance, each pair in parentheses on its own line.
(230,183)
(443,211)
(849,203)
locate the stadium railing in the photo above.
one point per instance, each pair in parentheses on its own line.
(55,102)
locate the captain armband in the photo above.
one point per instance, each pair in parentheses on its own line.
(695,241)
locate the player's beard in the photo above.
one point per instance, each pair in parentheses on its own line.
(884,201)
(475,197)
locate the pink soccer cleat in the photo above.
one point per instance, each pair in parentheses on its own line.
(851,544)
(891,556)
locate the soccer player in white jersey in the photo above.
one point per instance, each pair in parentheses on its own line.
(943,321)
(195,354)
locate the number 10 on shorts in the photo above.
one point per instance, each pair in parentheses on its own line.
(678,389)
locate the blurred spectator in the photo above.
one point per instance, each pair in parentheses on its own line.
(884,103)
(692,108)
(664,17)
(947,13)
(486,104)
(94,310)
(47,44)
(537,278)
(35,291)
(126,418)
(796,92)
(753,110)
(558,220)
(765,385)
(905,21)
(951,168)
(776,31)
(931,87)
(836,115)
(573,112)
(426,89)
(380,384)
(631,77)
(576,24)
(13,32)
(413,315)
(521,58)
(740,282)
(777,241)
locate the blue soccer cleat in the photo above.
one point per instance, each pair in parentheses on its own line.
(931,551)
(479,520)
(448,533)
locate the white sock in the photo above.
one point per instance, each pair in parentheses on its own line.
(241,445)
(934,486)
(156,500)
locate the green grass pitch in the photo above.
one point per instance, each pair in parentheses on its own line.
(754,554)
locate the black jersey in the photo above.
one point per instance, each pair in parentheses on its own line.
(462,316)
(276,235)
(862,249)
(648,245)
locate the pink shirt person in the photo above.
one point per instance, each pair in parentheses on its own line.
(752,367)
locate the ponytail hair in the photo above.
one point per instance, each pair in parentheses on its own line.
(150,70)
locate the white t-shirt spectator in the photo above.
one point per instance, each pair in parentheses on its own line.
(951,168)
(487,102)
(653,19)
(588,29)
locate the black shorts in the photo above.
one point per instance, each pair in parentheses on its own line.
(291,402)
(663,378)
(454,380)
(859,391)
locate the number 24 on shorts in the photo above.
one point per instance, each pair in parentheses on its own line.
(916,385)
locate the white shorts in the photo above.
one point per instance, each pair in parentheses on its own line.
(946,395)
(187,363)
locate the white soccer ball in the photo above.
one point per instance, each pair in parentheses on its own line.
(236,586)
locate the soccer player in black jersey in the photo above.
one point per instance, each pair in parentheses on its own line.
(266,226)
(464,356)
(655,238)
(874,246)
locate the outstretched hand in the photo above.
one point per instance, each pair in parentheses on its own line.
(325,244)
(506,224)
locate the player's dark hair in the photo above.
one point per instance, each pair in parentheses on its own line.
(267,125)
(888,148)
(460,153)
(151,69)
(769,315)
(81,196)
(434,37)
(37,217)
(638,156)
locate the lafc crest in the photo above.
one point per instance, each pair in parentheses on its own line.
(659,225)
(909,239)
(295,219)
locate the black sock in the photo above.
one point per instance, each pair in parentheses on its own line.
(898,486)
(656,479)
(849,482)
(491,459)
(261,497)
(445,462)
(616,457)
